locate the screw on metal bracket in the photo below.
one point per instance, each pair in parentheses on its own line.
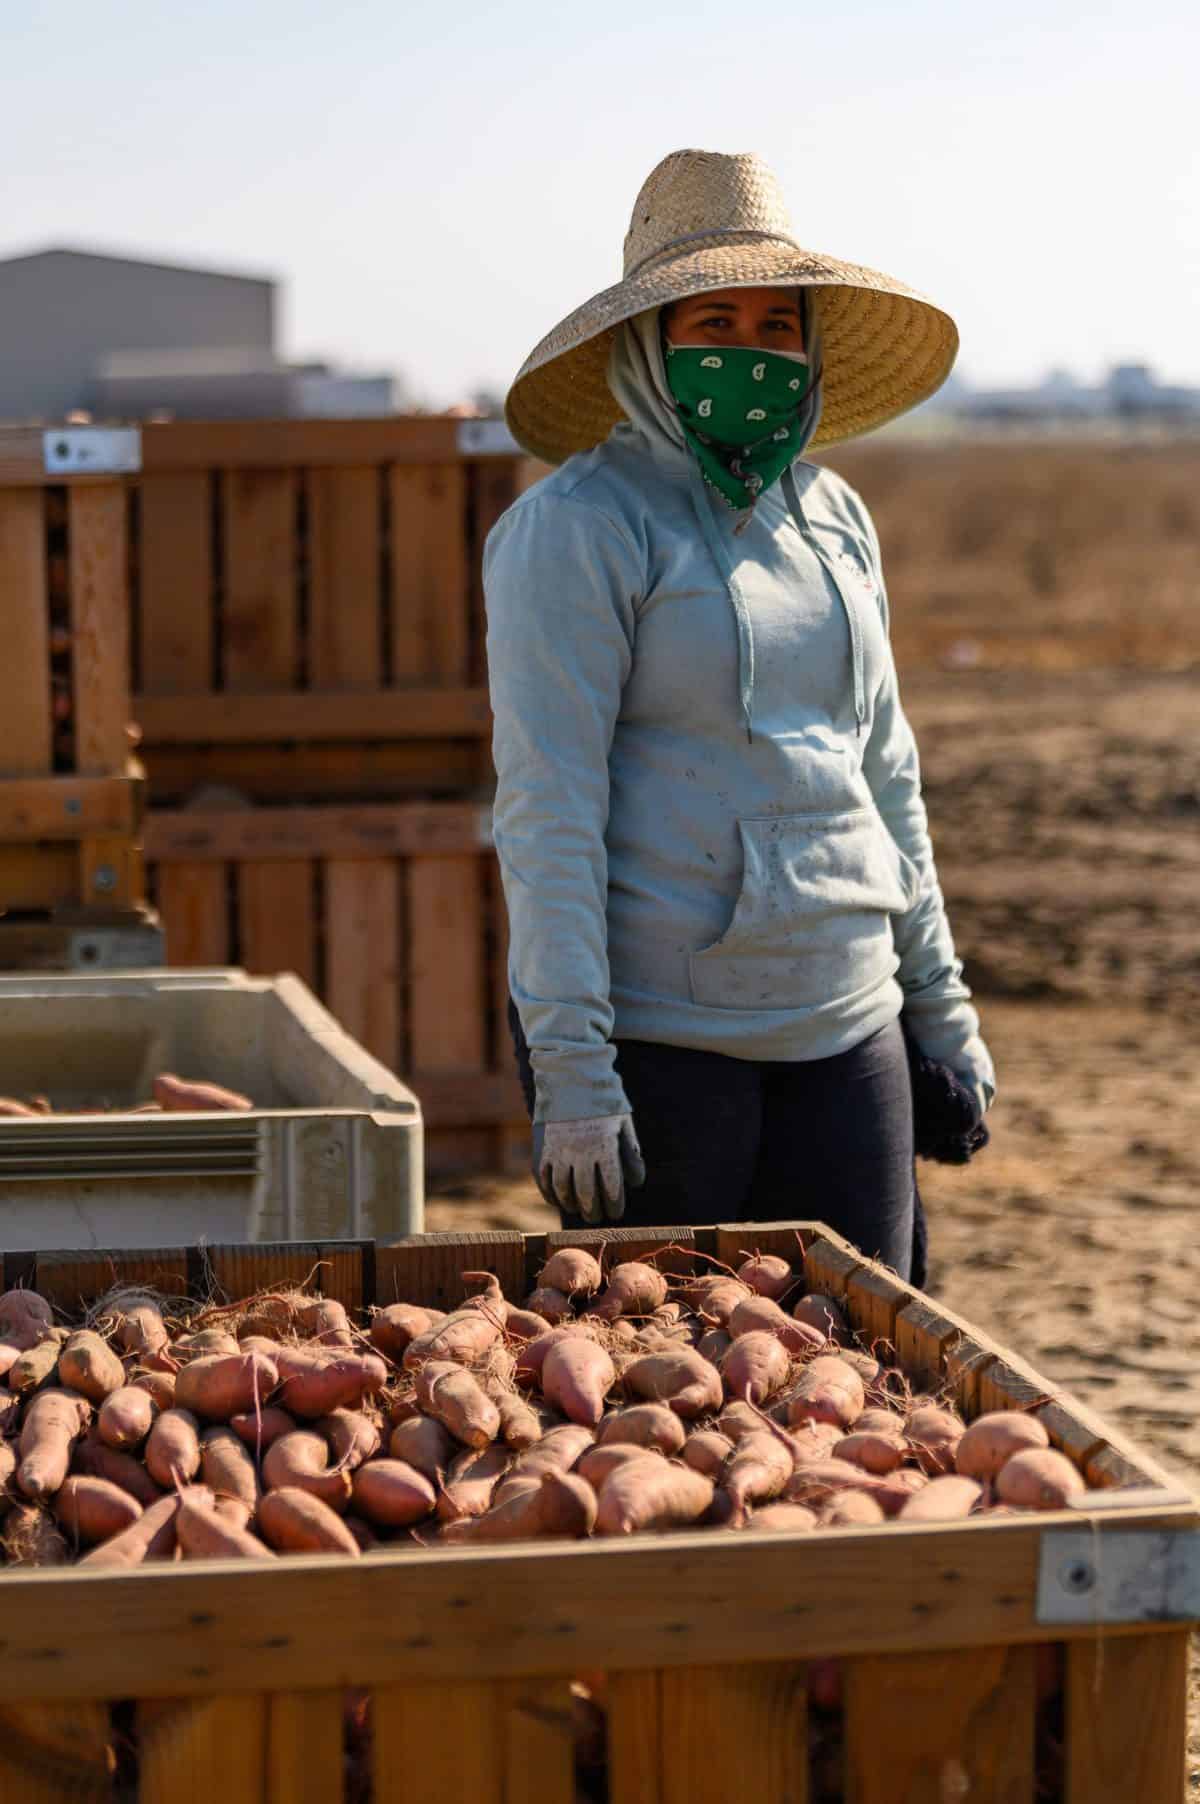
(73,805)
(104,877)
(1078,1577)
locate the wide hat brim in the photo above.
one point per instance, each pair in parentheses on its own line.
(885,348)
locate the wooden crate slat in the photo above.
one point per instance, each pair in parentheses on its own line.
(936,1726)
(193,903)
(636,1754)
(362,952)
(111,871)
(55,1753)
(829,1266)
(368,830)
(1102,1453)
(537,1741)
(874,1298)
(259,609)
(344,571)
(736,1732)
(239,1271)
(73,1279)
(924,1335)
(175,549)
(99,627)
(737,1241)
(38,878)
(28,731)
(304,1747)
(67,807)
(458,1731)
(428,1268)
(429,574)
(318,769)
(198,1751)
(254,715)
(966,1362)
(670,1249)
(446,980)
(1126,1718)
(288,443)
(277,919)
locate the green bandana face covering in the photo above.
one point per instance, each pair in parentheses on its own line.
(740,412)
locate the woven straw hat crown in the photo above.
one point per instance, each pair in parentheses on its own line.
(704,220)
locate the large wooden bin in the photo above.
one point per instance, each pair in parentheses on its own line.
(705,1639)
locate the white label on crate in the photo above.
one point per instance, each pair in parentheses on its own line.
(486,438)
(92,451)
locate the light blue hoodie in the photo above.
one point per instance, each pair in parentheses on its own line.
(669,875)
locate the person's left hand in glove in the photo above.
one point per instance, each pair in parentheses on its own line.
(584,1167)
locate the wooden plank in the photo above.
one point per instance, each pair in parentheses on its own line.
(258,616)
(277,927)
(230,1273)
(28,731)
(736,1241)
(537,1741)
(429,598)
(669,1249)
(924,1334)
(192,900)
(403,1616)
(829,1266)
(201,1751)
(285,444)
(637,1756)
(966,1362)
(68,807)
(111,871)
(874,1298)
(344,569)
(933,1727)
(278,773)
(1101,1452)
(736,1732)
(304,1747)
(22,457)
(374,831)
(491,1098)
(176,621)
(55,1754)
(253,715)
(38,878)
(99,627)
(1127,1718)
(428,1268)
(362,953)
(446,979)
(72,1281)
(456,1727)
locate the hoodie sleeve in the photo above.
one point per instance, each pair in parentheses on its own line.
(560,580)
(937,1005)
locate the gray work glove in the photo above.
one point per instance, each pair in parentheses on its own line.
(583,1167)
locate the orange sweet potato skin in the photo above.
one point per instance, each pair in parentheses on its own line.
(577,1376)
(53,1422)
(300,1462)
(217,1386)
(392,1494)
(173,1448)
(680,1379)
(227,1468)
(88,1365)
(92,1509)
(318,1382)
(451,1396)
(294,1521)
(151,1537)
(126,1417)
(994,1438)
(649,1494)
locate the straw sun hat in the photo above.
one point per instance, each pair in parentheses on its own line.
(704,221)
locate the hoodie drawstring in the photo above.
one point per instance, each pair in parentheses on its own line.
(792,490)
(741,613)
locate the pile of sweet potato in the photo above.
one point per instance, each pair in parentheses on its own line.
(170,1095)
(596,1407)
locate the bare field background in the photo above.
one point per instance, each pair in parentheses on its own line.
(1044,600)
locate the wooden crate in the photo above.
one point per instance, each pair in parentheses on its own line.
(70,794)
(309,610)
(233,1676)
(393,914)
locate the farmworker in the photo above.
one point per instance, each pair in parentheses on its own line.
(721,890)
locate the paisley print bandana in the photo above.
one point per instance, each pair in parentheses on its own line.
(740,411)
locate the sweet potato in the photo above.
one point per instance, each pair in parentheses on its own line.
(851,1509)
(92,1509)
(207,1341)
(37,1365)
(815,1481)
(463,1337)
(828,1390)
(25,1319)
(557,1451)
(945,1499)
(392,1494)
(294,1521)
(524,1324)
(158,1385)
(227,1468)
(573,1271)
(91,1458)
(325,1322)
(993,1439)
(759,1315)
(738,1419)
(188,1096)
(394,1327)
(31,1537)
(54,1420)
(520,1425)
(558,1505)
(651,1493)
(140,1329)
(896,1488)
(300,1461)
(875,1420)
(150,1537)
(552,1305)
(679,1378)
(823,1314)
(596,1464)
(173,1448)
(451,1396)
(767,1276)
(204,1533)
(757,1472)
(1038,1479)
(532,1356)
(352,1437)
(217,1386)
(258,1428)
(471,1481)
(88,1365)
(315,1382)
(755,1367)
(783,1519)
(126,1417)
(716,1296)
(425,1445)
(878,1453)
(644,1425)
(577,1376)
(365,1537)
(933,1435)
(814,1440)
(633,1288)
(706,1451)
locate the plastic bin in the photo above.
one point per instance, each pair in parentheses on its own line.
(332,1149)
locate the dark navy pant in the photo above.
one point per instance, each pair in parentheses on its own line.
(728,1139)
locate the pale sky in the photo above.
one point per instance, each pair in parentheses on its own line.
(436,185)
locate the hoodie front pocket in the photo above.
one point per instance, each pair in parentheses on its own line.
(812,922)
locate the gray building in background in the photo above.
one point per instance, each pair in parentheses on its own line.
(120,338)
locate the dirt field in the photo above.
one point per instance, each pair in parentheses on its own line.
(1044,607)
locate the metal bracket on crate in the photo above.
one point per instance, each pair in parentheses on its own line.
(486,438)
(92,450)
(1121,1575)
